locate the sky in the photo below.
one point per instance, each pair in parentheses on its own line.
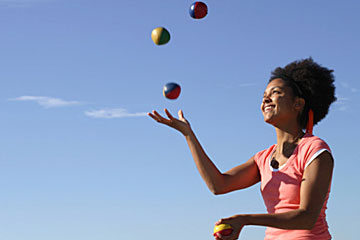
(79,158)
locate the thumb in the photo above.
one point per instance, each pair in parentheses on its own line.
(223,221)
(181,114)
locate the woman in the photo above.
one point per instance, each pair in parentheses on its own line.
(295,173)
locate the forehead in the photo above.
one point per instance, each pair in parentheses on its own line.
(278,82)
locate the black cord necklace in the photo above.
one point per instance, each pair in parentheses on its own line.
(275,163)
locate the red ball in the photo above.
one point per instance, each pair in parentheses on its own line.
(225,232)
(198,10)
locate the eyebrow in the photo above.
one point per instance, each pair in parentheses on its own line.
(273,89)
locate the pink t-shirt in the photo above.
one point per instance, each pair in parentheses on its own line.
(280,188)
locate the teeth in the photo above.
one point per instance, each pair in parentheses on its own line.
(267,108)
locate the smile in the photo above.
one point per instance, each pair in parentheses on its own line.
(268,108)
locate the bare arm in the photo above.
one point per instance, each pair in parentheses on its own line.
(239,177)
(314,188)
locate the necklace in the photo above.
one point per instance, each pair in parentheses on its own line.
(275,163)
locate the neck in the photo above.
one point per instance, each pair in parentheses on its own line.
(287,139)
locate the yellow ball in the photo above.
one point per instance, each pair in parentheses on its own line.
(160,36)
(223,229)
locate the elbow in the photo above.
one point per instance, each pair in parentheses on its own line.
(308,220)
(216,193)
(219,191)
(218,187)
(216,190)
(309,225)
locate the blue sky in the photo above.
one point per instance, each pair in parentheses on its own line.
(80,160)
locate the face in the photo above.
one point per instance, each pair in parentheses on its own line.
(279,106)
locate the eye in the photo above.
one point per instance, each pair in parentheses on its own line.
(276,92)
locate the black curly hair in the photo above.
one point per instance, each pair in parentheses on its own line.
(311,82)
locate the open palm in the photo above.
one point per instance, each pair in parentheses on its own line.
(180,124)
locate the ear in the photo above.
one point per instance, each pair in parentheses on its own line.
(299,104)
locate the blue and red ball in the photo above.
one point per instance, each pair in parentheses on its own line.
(172,90)
(198,10)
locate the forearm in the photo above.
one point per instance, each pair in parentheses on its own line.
(295,219)
(209,172)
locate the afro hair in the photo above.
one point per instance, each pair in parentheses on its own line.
(311,82)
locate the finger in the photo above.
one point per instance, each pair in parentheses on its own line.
(217,237)
(230,237)
(181,114)
(222,220)
(158,115)
(153,117)
(160,118)
(168,114)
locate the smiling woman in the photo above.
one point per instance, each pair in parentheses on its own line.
(295,173)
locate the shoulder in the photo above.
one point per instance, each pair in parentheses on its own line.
(310,144)
(310,148)
(313,140)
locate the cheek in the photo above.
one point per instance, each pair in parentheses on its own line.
(281,100)
(287,104)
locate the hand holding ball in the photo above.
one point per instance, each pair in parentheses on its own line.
(223,229)
(171,90)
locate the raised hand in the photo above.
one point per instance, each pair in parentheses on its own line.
(180,124)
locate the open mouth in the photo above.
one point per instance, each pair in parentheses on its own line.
(268,108)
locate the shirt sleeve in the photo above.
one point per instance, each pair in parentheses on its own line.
(311,150)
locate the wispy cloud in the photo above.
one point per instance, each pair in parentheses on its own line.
(47,102)
(342,103)
(345,98)
(348,87)
(113,113)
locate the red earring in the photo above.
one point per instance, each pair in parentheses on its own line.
(310,123)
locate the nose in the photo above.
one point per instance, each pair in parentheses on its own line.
(266,99)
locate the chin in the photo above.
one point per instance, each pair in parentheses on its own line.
(269,121)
